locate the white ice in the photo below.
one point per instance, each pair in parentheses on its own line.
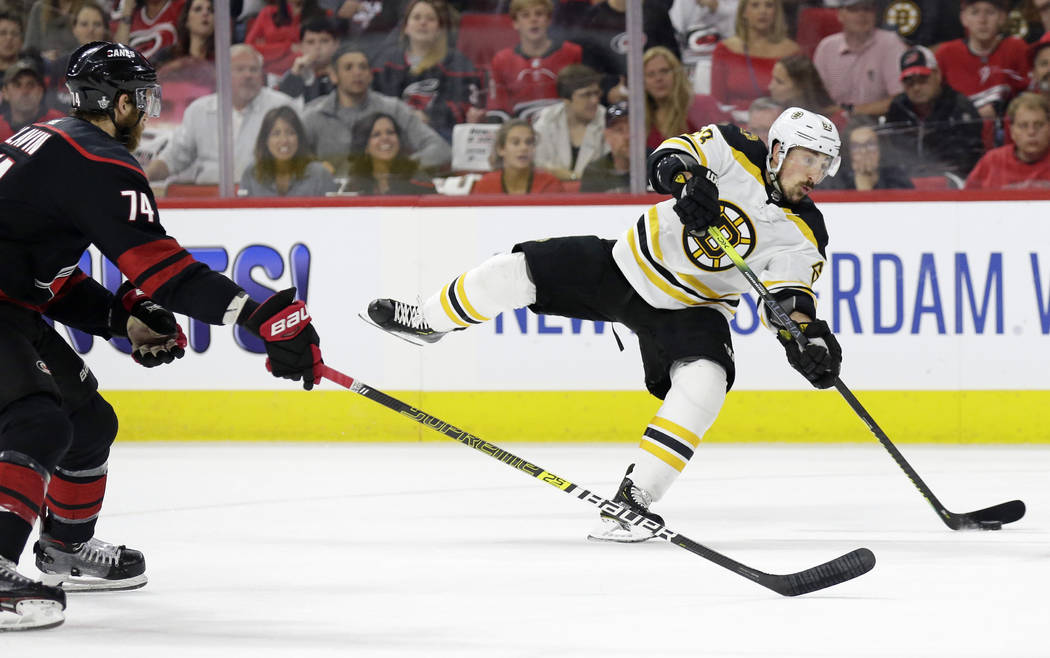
(432,549)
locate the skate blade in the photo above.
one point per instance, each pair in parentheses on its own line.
(32,614)
(610,531)
(81,584)
(417,343)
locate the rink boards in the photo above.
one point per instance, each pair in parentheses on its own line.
(942,309)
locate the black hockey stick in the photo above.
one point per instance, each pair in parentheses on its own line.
(989,518)
(839,570)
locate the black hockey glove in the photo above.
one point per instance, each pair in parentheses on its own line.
(156,338)
(292,345)
(697,204)
(821,360)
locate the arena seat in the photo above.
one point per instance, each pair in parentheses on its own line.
(815,23)
(482,35)
(184,190)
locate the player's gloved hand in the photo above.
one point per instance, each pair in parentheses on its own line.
(292,346)
(697,204)
(821,360)
(156,338)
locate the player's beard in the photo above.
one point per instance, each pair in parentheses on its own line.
(132,129)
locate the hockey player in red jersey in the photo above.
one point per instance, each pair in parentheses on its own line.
(64,185)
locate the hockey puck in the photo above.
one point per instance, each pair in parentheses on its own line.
(990,525)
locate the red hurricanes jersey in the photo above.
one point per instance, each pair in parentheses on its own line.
(517,81)
(994,78)
(149,35)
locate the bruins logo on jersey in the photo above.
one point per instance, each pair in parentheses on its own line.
(739,231)
(905,15)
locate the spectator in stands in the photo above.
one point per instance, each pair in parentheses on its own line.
(760,116)
(667,97)
(859,65)
(309,76)
(571,131)
(512,160)
(523,79)
(423,70)
(186,69)
(931,127)
(192,154)
(602,32)
(275,32)
(283,164)
(700,25)
(742,65)
(867,169)
(10,40)
(1026,162)
(1039,57)
(377,163)
(796,82)
(148,25)
(922,22)
(23,93)
(194,37)
(49,28)
(329,119)
(612,171)
(1039,18)
(986,66)
(371,24)
(89,24)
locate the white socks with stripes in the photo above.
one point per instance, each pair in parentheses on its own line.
(698,389)
(499,284)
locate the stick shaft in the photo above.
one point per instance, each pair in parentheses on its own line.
(796,332)
(839,570)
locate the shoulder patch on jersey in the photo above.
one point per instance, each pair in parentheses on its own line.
(741,140)
(812,223)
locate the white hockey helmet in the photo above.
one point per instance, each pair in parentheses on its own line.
(798,127)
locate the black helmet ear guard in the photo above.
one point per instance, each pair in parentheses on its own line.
(101,70)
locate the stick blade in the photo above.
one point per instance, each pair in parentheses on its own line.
(992,518)
(847,567)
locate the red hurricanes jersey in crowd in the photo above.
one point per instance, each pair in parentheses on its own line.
(149,35)
(1000,168)
(995,78)
(517,81)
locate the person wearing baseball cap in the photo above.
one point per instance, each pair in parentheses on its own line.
(930,126)
(612,171)
(23,104)
(985,65)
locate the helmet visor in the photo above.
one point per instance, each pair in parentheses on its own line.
(147,99)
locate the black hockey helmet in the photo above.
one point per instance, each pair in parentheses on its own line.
(100,70)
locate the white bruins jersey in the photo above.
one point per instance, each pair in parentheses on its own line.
(782,243)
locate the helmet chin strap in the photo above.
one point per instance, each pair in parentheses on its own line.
(774,172)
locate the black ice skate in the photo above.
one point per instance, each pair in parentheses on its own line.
(635,499)
(93,566)
(27,604)
(402,320)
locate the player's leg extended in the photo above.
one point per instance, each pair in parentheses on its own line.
(67,552)
(501,283)
(698,389)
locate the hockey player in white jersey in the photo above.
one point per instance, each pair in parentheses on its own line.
(670,283)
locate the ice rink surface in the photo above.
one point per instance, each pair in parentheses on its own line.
(432,549)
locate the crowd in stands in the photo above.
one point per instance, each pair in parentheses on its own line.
(368,96)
